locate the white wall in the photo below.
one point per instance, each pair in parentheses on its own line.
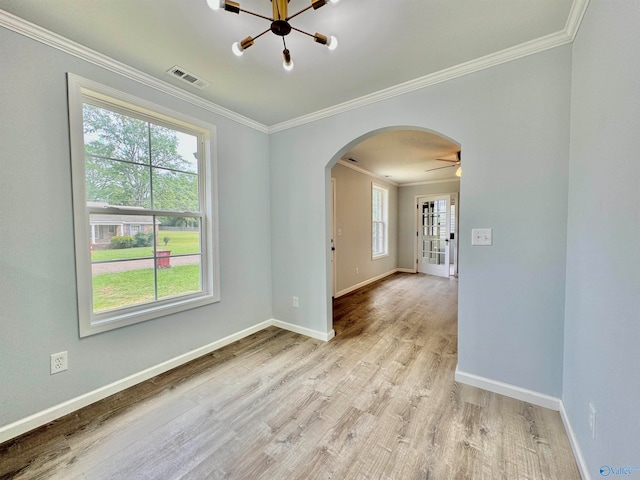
(602,335)
(37,280)
(512,122)
(353,224)
(407,217)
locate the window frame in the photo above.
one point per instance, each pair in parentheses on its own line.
(384,222)
(81,91)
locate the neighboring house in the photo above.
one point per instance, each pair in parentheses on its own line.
(117,225)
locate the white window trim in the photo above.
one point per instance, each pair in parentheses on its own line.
(79,90)
(385,216)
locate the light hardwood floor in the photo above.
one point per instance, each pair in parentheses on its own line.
(376,402)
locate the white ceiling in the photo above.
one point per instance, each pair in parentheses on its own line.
(383,44)
(405,156)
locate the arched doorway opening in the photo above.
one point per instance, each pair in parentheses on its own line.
(376,185)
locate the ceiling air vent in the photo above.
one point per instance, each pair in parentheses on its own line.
(188,77)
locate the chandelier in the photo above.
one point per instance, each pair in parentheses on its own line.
(279,25)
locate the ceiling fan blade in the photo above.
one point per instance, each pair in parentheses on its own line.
(456,161)
(440,168)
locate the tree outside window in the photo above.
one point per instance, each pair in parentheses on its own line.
(149,174)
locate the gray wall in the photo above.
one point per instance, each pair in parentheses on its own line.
(353,220)
(407,217)
(602,329)
(37,280)
(512,122)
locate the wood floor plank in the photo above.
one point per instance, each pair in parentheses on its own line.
(379,401)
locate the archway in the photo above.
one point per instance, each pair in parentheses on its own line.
(420,161)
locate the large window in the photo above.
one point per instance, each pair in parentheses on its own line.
(379,221)
(147,174)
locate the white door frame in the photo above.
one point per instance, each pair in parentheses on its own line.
(456,240)
(334,267)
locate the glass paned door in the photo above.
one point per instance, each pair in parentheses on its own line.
(433,235)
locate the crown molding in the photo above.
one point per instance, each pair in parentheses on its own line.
(431,182)
(367,172)
(28,29)
(578,9)
(519,51)
(576,14)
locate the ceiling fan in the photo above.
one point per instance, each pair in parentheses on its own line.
(454,163)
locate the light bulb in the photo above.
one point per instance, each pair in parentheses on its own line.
(333,43)
(459,172)
(334,1)
(287,63)
(237,49)
(214,4)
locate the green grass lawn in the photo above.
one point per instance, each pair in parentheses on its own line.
(180,243)
(114,290)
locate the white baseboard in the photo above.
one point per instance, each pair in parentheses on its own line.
(535,398)
(406,270)
(519,393)
(355,287)
(324,336)
(575,446)
(36,420)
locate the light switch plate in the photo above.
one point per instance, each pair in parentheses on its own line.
(481,236)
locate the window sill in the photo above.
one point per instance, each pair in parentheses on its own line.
(115,320)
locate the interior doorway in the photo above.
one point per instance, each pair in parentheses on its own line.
(432,246)
(409,162)
(454,238)
(333,238)
(437,234)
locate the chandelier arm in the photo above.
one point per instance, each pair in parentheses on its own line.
(256,14)
(261,34)
(302,31)
(296,14)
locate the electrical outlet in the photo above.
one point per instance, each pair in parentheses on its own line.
(295,302)
(592,420)
(357,270)
(59,362)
